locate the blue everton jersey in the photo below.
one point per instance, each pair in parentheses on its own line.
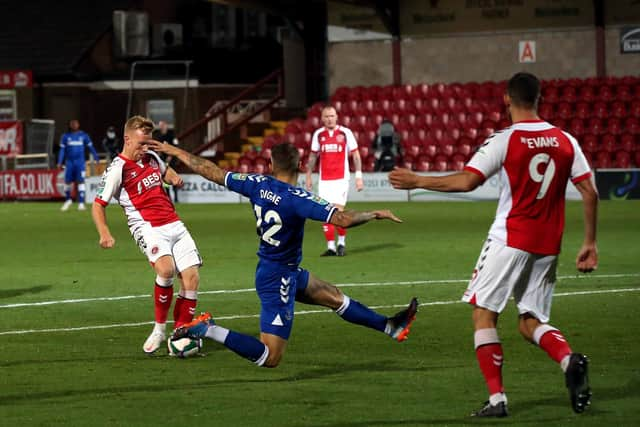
(72,146)
(280,211)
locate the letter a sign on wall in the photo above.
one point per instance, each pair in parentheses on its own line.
(527,51)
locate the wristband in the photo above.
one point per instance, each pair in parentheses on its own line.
(358,174)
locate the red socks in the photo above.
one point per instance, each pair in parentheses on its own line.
(183,311)
(490,358)
(552,341)
(329,230)
(342,231)
(162,297)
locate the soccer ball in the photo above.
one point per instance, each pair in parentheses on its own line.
(184,347)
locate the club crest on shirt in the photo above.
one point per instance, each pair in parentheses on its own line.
(153,163)
(340,138)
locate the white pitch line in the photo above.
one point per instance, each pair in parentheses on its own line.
(342,285)
(298,313)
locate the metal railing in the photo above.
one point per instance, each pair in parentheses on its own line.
(221,113)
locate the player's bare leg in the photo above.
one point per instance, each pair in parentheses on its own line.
(276,345)
(490,358)
(162,296)
(319,292)
(185,306)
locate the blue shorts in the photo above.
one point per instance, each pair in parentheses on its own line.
(277,286)
(74,172)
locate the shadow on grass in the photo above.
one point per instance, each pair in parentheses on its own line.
(322,372)
(373,248)
(9,293)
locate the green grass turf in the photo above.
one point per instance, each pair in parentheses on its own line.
(334,373)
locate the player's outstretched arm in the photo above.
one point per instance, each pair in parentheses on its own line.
(404,179)
(197,164)
(98,212)
(587,259)
(350,218)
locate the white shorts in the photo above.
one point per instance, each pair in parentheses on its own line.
(502,271)
(170,239)
(334,191)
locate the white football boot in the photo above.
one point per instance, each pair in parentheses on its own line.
(66,205)
(81,207)
(154,342)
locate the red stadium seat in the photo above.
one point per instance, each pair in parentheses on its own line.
(614,126)
(261,166)
(582,110)
(600,110)
(632,125)
(622,160)
(568,94)
(589,143)
(369,164)
(586,94)
(637,158)
(623,93)
(564,111)
(627,142)
(423,163)
(407,162)
(446,149)
(550,94)
(413,150)
(618,109)
(440,164)
(576,127)
(595,126)
(430,149)
(602,160)
(604,93)
(465,149)
(608,143)
(546,111)
(634,109)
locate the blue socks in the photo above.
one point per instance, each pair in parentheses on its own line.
(354,312)
(248,347)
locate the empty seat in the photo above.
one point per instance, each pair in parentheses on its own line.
(422,163)
(622,160)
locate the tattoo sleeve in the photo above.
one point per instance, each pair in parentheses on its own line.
(350,218)
(202,167)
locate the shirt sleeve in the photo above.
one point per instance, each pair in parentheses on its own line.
(490,156)
(63,146)
(111,182)
(315,143)
(352,144)
(580,169)
(242,183)
(308,205)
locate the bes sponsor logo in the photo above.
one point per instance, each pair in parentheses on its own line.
(152,180)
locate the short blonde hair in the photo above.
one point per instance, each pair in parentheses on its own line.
(139,122)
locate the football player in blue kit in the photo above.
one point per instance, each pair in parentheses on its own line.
(281,209)
(72,147)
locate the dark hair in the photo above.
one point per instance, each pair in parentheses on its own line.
(524,90)
(285,158)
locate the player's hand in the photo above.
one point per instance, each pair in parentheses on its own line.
(359,184)
(403,179)
(308,184)
(177,182)
(386,214)
(587,259)
(107,242)
(160,147)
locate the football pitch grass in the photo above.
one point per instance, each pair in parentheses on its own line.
(73,318)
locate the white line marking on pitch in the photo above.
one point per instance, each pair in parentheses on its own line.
(298,313)
(342,285)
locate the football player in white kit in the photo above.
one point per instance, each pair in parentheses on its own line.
(535,160)
(134,179)
(333,144)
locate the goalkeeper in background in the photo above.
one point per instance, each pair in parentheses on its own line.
(72,151)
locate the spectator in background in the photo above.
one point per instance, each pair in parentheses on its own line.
(386,147)
(164,134)
(72,151)
(111,143)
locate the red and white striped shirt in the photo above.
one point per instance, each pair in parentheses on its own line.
(535,160)
(334,147)
(137,187)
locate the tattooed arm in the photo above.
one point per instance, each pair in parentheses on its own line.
(197,164)
(351,218)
